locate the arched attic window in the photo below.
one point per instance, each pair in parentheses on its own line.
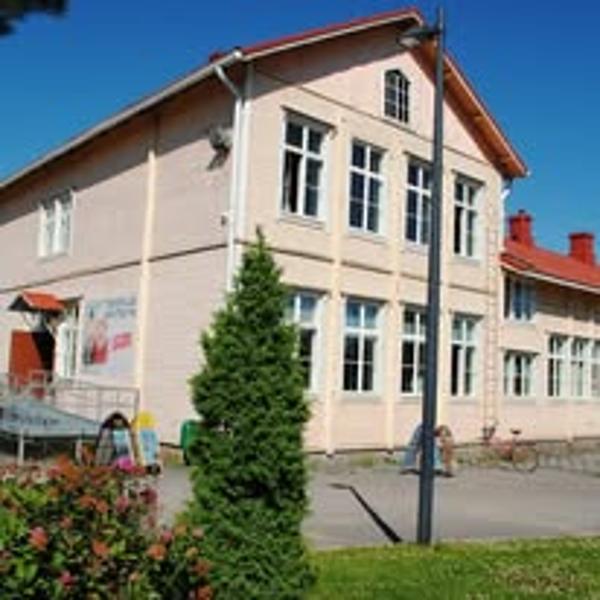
(397,96)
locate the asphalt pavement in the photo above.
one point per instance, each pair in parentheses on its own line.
(376,505)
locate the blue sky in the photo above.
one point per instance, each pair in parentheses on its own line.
(536,70)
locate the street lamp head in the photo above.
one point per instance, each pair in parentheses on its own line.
(415,36)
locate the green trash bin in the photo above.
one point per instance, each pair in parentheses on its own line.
(190,430)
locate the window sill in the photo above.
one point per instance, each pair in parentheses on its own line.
(463,400)
(520,323)
(410,399)
(359,397)
(407,127)
(311,222)
(470,261)
(416,248)
(367,236)
(52,257)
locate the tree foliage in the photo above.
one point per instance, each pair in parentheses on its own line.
(14,10)
(250,474)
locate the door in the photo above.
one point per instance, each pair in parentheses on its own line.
(30,351)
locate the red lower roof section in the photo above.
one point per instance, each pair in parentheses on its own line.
(535,260)
(36,302)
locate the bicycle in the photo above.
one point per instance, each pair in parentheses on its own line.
(522,454)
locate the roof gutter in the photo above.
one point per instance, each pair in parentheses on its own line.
(553,280)
(125,115)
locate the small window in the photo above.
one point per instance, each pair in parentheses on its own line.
(303,165)
(465,217)
(396,98)
(518,374)
(66,341)
(55,225)
(303,310)
(366,183)
(519,300)
(418,202)
(579,367)
(413,351)
(361,338)
(463,356)
(557,345)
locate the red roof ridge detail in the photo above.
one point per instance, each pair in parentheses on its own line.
(561,267)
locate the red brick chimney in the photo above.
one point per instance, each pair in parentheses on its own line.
(582,247)
(519,228)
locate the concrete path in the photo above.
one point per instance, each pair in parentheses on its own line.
(377,505)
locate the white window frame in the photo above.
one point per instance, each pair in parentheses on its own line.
(306,124)
(422,191)
(519,299)
(67,341)
(56,239)
(556,381)
(363,332)
(295,314)
(368,176)
(417,338)
(466,342)
(466,217)
(595,370)
(579,362)
(398,107)
(519,374)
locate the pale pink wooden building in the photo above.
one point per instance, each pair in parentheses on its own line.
(324,140)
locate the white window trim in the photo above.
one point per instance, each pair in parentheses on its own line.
(418,339)
(322,206)
(421,194)
(529,299)
(528,375)
(377,355)
(465,344)
(367,175)
(57,202)
(409,93)
(562,357)
(315,373)
(466,209)
(74,326)
(580,361)
(595,366)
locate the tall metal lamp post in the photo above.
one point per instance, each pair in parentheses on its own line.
(410,39)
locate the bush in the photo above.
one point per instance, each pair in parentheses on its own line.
(90,532)
(250,473)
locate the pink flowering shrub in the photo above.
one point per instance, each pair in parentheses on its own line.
(90,532)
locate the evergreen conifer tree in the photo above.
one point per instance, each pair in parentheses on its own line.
(250,474)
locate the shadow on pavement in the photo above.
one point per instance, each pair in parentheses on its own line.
(389,533)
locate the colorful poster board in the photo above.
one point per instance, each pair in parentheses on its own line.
(147,443)
(109,327)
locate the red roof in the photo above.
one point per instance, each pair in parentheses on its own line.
(535,260)
(36,302)
(312,35)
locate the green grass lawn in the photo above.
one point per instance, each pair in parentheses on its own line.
(563,568)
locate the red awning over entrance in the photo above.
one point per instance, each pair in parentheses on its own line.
(36,302)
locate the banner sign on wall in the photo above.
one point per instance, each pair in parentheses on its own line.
(109,327)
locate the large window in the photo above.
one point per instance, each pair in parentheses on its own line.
(303,310)
(361,336)
(67,334)
(465,217)
(557,345)
(397,98)
(579,367)
(518,374)
(413,351)
(418,203)
(464,346)
(55,225)
(303,168)
(519,299)
(366,185)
